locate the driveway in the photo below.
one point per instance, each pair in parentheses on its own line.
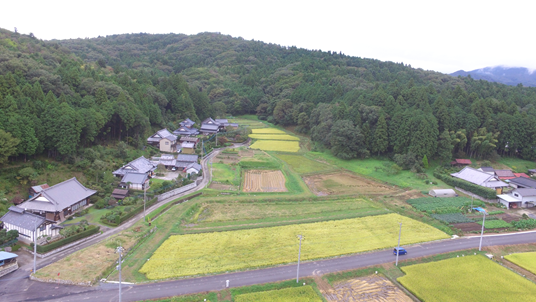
(168,176)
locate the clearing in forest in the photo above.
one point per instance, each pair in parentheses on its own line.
(264,181)
(370,288)
(345,183)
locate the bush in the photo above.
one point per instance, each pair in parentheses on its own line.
(91,230)
(100,204)
(456,182)
(524,224)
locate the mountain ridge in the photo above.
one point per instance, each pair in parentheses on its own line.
(501,74)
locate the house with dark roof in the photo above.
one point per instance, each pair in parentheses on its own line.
(532,171)
(519,198)
(135,181)
(188,148)
(190,139)
(119,194)
(166,141)
(29,224)
(225,123)
(185,131)
(522,182)
(504,174)
(460,162)
(8,263)
(59,201)
(187,123)
(139,165)
(207,129)
(480,178)
(183,160)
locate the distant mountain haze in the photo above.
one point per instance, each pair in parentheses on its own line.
(506,75)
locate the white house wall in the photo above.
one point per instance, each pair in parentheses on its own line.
(27,235)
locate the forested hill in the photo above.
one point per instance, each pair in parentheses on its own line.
(53,101)
(351,105)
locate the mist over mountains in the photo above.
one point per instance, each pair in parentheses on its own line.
(501,74)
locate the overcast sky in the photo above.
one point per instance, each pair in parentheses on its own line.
(445,36)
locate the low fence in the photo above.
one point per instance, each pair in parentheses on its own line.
(177,191)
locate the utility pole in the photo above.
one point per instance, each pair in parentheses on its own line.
(398,249)
(120,252)
(144,198)
(35,249)
(216,139)
(299,255)
(482,233)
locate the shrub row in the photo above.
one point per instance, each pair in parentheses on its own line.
(56,244)
(127,215)
(460,183)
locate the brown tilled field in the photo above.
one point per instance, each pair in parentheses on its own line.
(370,288)
(218,186)
(345,183)
(264,181)
(468,226)
(227,158)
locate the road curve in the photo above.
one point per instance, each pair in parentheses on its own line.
(109,292)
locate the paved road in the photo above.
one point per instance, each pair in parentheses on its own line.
(109,292)
(18,279)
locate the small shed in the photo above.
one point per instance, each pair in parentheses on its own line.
(442,193)
(8,263)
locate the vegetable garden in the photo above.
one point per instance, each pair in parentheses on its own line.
(208,253)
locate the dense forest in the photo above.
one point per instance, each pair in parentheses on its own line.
(61,96)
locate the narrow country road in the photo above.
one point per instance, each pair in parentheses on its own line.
(109,292)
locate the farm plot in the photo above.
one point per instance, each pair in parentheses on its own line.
(269,145)
(443,205)
(525,260)
(302,164)
(467,227)
(295,294)
(278,137)
(370,288)
(345,183)
(470,278)
(267,131)
(264,181)
(208,253)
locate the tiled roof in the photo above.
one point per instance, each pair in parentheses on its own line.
(187,123)
(160,134)
(194,166)
(186,131)
(209,127)
(521,175)
(526,192)
(23,219)
(40,188)
(479,178)
(191,158)
(58,197)
(524,182)
(461,161)
(505,173)
(134,178)
(139,165)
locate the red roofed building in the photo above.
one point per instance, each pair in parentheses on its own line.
(461,162)
(521,175)
(505,174)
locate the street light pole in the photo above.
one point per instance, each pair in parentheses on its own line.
(35,249)
(120,251)
(299,254)
(398,249)
(482,232)
(144,198)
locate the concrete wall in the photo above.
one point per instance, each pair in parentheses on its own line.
(167,146)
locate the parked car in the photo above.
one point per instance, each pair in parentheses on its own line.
(401,251)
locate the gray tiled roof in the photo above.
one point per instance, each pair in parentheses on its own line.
(187,123)
(135,178)
(479,178)
(195,166)
(524,182)
(186,131)
(504,173)
(221,121)
(58,197)
(487,169)
(139,165)
(209,127)
(160,134)
(191,158)
(187,145)
(23,220)
(526,192)
(182,164)
(209,121)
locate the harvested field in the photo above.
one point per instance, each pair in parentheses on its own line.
(284,146)
(370,288)
(468,226)
(264,181)
(227,159)
(223,187)
(345,183)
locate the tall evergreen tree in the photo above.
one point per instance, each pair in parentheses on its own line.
(381,139)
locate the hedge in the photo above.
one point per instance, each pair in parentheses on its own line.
(130,214)
(460,183)
(56,244)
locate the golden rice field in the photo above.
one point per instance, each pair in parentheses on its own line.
(525,260)
(264,181)
(292,294)
(209,253)
(470,278)
(267,130)
(279,137)
(269,145)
